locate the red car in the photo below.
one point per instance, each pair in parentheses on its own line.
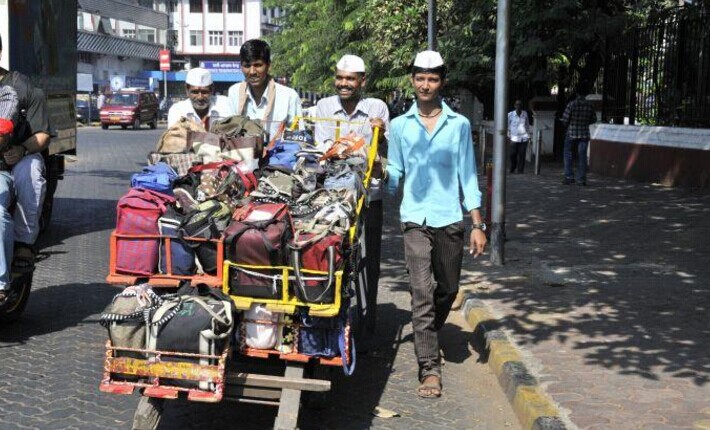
(130,107)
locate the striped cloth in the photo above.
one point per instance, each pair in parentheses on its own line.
(8,103)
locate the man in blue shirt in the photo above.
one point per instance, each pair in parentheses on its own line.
(431,152)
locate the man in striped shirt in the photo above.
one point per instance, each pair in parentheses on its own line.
(8,115)
(578,116)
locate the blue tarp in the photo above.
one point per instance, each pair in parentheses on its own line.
(180,76)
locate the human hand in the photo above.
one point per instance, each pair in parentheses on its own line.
(477,242)
(14,154)
(378,122)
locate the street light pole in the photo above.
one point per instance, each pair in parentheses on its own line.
(431,33)
(499,138)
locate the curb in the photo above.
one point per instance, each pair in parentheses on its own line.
(534,409)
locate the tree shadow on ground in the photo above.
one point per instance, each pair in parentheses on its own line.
(616,271)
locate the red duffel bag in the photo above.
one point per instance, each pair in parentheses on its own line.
(316,251)
(137,213)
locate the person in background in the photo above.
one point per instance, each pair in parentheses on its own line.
(8,116)
(31,137)
(519,134)
(201,105)
(431,152)
(260,97)
(350,104)
(100,100)
(578,116)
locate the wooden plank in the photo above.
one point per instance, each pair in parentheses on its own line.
(287,418)
(269,381)
(254,393)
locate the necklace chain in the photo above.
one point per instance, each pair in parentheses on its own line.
(431,115)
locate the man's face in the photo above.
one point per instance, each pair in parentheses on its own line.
(427,86)
(200,97)
(518,106)
(348,84)
(256,72)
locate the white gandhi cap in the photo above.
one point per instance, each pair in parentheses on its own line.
(199,77)
(351,64)
(428,60)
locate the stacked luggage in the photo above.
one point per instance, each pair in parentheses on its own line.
(261,238)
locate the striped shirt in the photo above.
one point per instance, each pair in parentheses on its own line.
(578,116)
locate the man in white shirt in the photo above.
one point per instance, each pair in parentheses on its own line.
(201,106)
(519,133)
(260,97)
(349,104)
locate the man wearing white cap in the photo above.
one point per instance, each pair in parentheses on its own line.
(431,153)
(201,105)
(350,105)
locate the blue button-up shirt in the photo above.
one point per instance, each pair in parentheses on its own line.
(438,168)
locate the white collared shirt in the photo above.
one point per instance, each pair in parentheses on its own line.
(518,126)
(219,108)
(287,106)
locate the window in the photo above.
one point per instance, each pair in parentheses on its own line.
(129,33)
(273,12)
(214,6)
(146,3)
(235,38)
(195,37)
(215,38)
(146,34)
(263,11)
(234,6)
(172,5)
(196,6)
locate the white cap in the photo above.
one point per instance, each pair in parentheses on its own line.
(199,77)
(428,60)
(351,63)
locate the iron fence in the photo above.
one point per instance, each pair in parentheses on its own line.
(659,74)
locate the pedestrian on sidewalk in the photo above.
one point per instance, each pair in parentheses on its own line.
(578,116)
(431,152)
(350,104)
(519,135)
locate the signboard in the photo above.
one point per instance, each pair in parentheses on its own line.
(222,66)
(164,58)
(132,82)
(118,82)
(84,82)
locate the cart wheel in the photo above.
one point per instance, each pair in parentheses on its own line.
(148,412)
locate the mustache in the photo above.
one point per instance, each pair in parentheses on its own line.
(344,88)
(200,103)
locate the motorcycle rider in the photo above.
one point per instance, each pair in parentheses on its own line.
(8,115)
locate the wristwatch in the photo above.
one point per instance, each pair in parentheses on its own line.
(480,226)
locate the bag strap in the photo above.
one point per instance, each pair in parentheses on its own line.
(300,282)
(270,98)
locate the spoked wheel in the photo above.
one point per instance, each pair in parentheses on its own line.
(14,305)
(148,413)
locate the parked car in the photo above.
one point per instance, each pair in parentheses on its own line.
(82,111)
(130,107)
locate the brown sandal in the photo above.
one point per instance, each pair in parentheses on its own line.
(429,389)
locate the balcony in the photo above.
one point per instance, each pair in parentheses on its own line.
(111,45)
(125,11)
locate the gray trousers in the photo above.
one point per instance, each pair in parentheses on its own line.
(434,257)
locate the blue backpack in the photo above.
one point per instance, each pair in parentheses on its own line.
(284,153)
(158,177)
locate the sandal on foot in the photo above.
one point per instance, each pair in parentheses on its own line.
(24,259)
(430,387)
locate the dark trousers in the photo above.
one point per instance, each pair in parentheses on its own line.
(517,156)
(434,257)
(373,242)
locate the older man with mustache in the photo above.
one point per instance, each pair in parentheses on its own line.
(201,105)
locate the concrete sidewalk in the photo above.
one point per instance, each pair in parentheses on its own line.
(606,291)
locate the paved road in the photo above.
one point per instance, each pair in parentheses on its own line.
(50,362)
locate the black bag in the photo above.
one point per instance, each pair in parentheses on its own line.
(207,222)
(182,256)
(198,320)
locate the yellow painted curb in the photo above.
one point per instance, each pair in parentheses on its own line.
(530,404)
(501,351)
(478,315)
(702,425)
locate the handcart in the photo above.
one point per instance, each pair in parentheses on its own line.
(239,373)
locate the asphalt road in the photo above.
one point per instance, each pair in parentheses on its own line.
(51,360)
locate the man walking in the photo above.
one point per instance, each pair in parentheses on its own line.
(578,116)
(260,96)
(519,134)
(350,105)
(201,105)
(431,151)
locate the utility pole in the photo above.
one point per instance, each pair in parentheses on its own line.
(431,33)
(499,138)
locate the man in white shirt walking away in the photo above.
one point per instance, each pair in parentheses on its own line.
(201,105)
(519,134)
